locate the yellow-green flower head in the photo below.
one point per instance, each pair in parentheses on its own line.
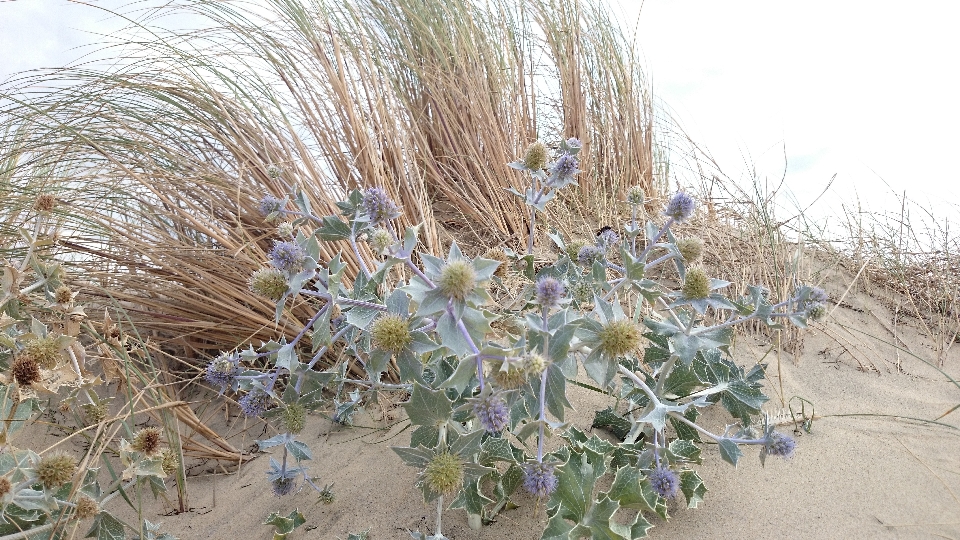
(498,255)
(457,279)
(294,417)
(817,312)
(535,158)
(43,351)
(86,508)
(24,370)
(444,473)
(636,196)
(573,249)
(147,440)
(95,413)
(326,495)
(269,283)
(618,338)
(582,293)
(169,462)
(56,470)
(286,230)
(380,240)
(63,295)
(696,285)
(536,363)
(390,333)
(690,248)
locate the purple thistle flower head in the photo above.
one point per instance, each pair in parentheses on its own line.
(563,169)
(269,204)
(378,206)
(607,238)
(664,481)
(589,255)
(680,207)
(255,403)
(781,445)
(817,295)
(283,486)
(492,412)
(549,292)
(571,146)
(539,479)
(222,371)
(288,256)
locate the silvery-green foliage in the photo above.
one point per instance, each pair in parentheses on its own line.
(43,341)
(481,403)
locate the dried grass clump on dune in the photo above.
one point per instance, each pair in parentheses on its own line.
(180,139)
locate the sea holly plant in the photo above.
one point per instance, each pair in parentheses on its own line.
(45,338)
(487,386)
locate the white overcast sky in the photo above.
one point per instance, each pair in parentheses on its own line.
(866,90)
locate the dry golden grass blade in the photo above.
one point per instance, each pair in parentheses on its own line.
(429,100)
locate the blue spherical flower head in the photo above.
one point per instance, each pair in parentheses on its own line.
(269,204)
(283,486)
(539,479)
(563,170)
(550,292)
(288,257)
(492,412)
(680,207)
(781,445)
(571,146)
(255,403)
(222,371)
(589,255)
(607,238)
(664,481)
(378,206)
(817,295)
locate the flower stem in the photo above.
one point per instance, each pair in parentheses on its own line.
(438,532)
(356,250)
(655,239)
(543,389)
(717,438)
(419,273)
(533,216)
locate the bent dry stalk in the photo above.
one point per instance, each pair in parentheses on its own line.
(477,397)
